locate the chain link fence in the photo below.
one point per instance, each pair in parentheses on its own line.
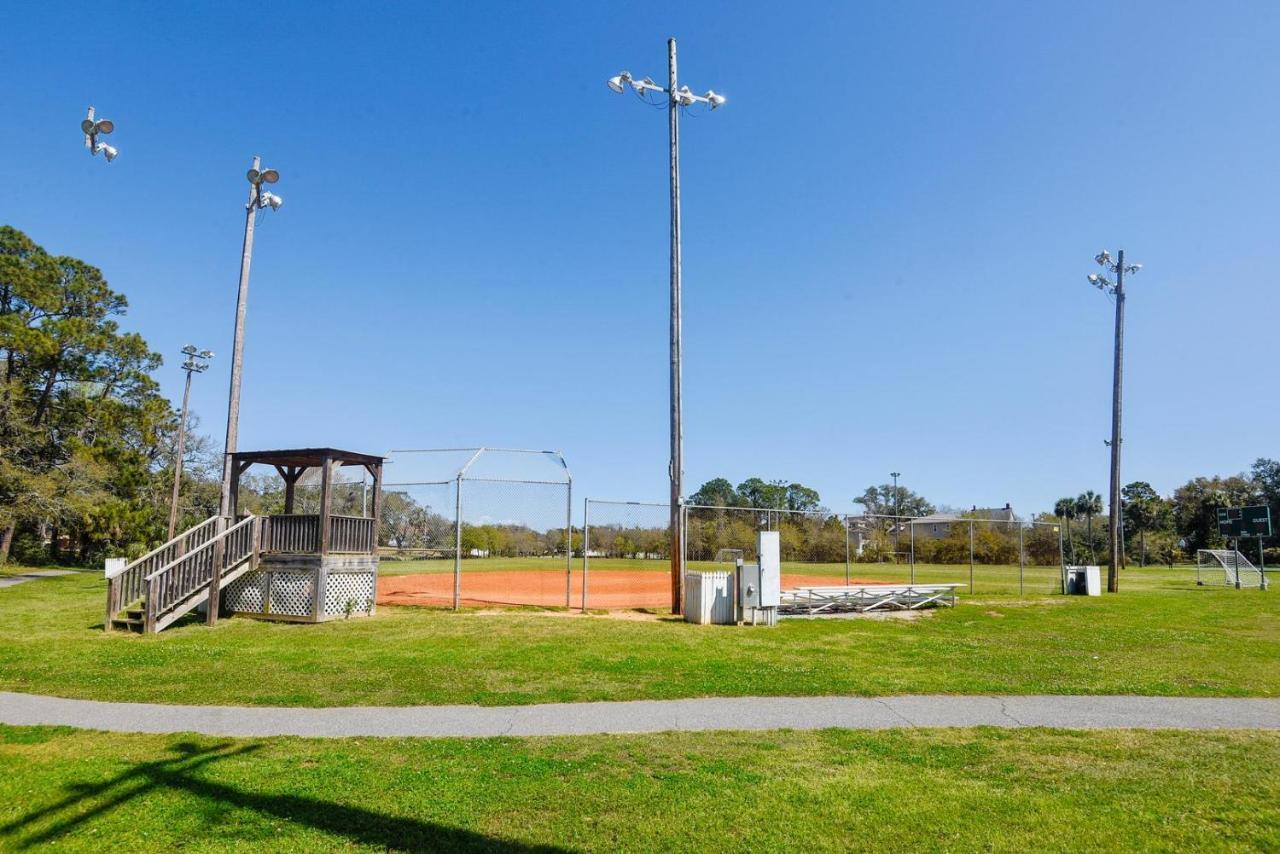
(813,544)
(499,531)
(987,555)
(626,554)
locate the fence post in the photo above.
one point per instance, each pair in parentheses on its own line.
(911,528)
(568,543)
(1022,562)
(586,548)
(1062,561)
(457,543)
(846,551)
(970,555)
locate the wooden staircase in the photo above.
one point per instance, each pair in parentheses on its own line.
(169,582)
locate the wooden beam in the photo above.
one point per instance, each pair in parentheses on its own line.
(326,503)
(377,503)
(233,506)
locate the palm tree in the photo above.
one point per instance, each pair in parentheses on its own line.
(1088,505)
(1065,509)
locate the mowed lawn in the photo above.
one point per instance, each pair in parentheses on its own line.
(1026,790)
(1162,636)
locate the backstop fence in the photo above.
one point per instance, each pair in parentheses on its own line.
(497,530)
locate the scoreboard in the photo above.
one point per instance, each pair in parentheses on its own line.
(1244,521)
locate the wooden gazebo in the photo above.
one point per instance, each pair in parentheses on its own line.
(312,567)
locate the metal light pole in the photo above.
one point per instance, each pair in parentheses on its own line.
(1116,520)
(258,198)
(676,99)
(192,365)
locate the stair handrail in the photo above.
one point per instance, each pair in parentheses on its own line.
(187,533)
(212,541)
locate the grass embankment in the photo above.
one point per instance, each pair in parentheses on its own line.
(1169,639)
(1024,790)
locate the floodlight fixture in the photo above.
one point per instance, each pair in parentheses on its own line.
(618,83)
(714,99)
(270,200)
(1102,258)
(270,176)
(91,127)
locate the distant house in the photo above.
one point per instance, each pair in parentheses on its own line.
(937,525)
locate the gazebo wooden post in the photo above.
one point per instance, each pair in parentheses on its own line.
(375,471)
(290,476)
(326,503)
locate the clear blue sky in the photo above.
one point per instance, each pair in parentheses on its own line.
(887,228)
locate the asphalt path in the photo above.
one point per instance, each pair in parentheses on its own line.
(646,716)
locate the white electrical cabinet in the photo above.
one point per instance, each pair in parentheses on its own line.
(760,585)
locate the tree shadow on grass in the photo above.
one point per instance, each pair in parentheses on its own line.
(86,801)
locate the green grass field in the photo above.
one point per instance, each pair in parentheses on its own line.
(1162,636)
(1028,790)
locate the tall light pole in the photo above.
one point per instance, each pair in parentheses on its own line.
(193,365)
(677,98)
(1116,521)
(258,198)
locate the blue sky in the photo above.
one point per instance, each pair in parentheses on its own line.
(887,229)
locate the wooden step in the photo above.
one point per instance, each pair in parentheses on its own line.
(127,625)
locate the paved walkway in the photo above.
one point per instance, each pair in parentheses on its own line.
(639,716)
(15,580)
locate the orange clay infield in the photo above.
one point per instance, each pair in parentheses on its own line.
(607,589)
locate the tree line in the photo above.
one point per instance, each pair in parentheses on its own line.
(87,445)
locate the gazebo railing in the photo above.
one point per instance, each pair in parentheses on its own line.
(352,534)
(292,534)
(300,534)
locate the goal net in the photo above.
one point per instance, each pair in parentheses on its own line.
(1226,566)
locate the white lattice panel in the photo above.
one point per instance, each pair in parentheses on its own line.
(292,594)
(353,587)
(244,594)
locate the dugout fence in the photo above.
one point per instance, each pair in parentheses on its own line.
(497,530)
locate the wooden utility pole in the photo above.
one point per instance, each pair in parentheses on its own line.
(237,348)
(1117,379)
(182,447)
(677,428)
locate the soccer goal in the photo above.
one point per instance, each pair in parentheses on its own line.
(1226,566)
